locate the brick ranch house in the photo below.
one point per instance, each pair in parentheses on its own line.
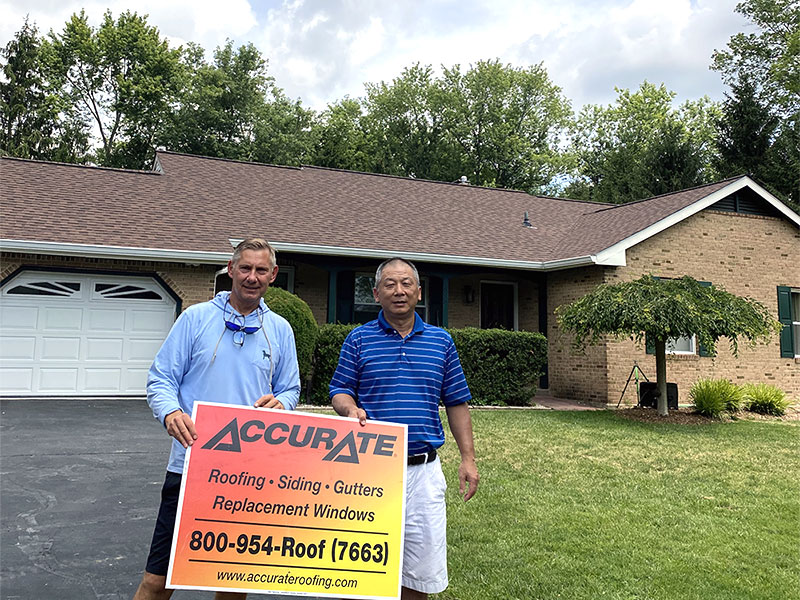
(96,263)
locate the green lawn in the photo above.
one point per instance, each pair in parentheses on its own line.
(590,505)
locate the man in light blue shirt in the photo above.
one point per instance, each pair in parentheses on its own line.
(231,349)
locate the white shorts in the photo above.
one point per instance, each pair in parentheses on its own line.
(425,551)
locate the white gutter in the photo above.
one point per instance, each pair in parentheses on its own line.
(218,258)
(115,252)
(452,259)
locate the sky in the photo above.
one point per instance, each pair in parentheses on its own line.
(323,50)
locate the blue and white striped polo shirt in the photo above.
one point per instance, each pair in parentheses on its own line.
(402,380)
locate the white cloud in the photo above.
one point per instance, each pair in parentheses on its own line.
(321,50)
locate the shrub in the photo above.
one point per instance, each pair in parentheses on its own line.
(300,317)
(712,397)
(501,367)
(765,399)
(326,356)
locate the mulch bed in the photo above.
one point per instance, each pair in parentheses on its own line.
(686,416)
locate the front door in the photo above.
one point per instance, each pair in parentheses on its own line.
(497,306)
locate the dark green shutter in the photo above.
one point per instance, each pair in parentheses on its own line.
(345,296)
(703,350)
(435,303)
(785,317)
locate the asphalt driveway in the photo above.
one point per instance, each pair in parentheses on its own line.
(80,485)
(79,489)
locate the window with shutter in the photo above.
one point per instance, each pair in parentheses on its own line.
(789,316)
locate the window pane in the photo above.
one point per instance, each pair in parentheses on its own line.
(363,292)
(281,281)
(682,345)
(796,306)
(796,327)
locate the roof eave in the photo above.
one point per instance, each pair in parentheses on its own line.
(114,252)
(216,258)
(453,259)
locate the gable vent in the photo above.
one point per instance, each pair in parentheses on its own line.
(746,202)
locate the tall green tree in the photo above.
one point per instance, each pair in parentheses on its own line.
(405,130)
(122,77)
(642,146)
(341,139)
(34,122)
(770,56)
(665,309)
(231,108)
(506,122)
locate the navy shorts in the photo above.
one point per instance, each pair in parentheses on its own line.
(160,547)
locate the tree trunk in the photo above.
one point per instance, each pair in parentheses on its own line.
(661,377)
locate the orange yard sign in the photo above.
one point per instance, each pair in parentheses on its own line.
(286,502)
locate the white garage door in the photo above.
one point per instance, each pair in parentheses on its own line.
(70,334)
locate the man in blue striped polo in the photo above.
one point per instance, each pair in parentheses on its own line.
(397,368)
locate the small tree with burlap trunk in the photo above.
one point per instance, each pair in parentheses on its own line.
(663,309)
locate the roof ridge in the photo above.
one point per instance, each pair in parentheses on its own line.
(407,178)
(231,160)
(80,165)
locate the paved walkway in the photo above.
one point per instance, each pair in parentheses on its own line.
(79,490)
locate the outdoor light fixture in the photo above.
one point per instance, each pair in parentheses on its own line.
(469,294)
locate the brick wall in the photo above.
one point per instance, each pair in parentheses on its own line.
(311,284)
(192,284)
(581,376)
(748,256)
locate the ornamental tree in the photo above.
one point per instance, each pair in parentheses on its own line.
(664,309)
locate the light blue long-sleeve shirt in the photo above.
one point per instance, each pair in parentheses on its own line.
(183,371)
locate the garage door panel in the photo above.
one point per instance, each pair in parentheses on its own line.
(16,379)
(149,321)
(62,319)
(18,317)
(104,349)
(18,347)
(143,350)
(61,348)
(80,333)
(102,380)
(52,380)
(136,379)
(106,320)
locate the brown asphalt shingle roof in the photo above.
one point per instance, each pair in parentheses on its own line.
(199,204)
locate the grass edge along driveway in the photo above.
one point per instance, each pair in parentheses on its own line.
(592,505)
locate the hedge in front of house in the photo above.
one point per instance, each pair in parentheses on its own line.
(501,367)
(295,310)
(326,357)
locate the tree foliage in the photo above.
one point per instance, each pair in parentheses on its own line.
(231,108)
(664,309)
(762,69)
(341,141)
(121,77)
(506,121)
(641,146)
(770,56)
(405,130)
(34,121)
